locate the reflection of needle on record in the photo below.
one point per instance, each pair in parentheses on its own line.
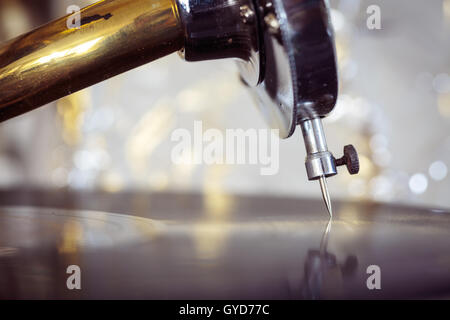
(320,270)
(325,236)
(324,276)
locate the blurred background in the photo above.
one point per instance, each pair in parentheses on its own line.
(394,106)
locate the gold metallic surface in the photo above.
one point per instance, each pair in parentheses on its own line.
(54,60)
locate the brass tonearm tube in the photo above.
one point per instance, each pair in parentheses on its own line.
(54,60)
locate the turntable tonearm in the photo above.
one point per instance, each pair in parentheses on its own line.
(284,50)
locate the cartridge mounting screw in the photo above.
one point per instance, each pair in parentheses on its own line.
(350,159)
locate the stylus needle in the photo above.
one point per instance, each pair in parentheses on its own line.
(325,194)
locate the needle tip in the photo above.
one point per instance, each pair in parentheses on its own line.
(326,195)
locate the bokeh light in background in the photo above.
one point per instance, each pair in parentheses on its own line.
(394,106)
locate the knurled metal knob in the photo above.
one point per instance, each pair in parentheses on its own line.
(350,159)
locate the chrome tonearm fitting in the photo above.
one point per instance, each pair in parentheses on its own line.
(300,84)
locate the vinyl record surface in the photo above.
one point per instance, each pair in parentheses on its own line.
(218,246)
